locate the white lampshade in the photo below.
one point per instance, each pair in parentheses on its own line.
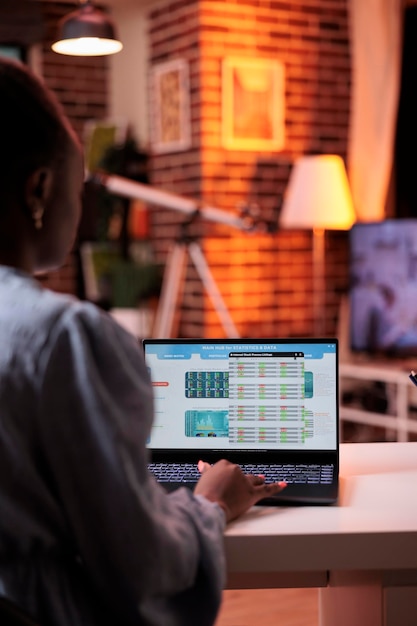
(318,195)
(87,31)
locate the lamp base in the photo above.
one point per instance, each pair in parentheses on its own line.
(319,282)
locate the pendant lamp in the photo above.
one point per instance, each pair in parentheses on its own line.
(87,31)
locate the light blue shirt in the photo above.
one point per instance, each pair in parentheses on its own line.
(86,535)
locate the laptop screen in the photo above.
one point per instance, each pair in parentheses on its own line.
(244,394)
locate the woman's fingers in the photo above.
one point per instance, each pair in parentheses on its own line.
(202,466)
(269,488)
(257,480)
(272,489)
(234,491)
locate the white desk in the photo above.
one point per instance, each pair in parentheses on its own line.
(362,552)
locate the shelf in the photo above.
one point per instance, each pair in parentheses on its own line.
(397,418)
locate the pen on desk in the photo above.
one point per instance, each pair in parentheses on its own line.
(413,377)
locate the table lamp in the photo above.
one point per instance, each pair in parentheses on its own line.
(318,198)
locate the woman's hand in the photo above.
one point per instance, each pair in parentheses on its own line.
(234,491)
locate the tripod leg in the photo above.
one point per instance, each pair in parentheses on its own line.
(172,287)
(212,290)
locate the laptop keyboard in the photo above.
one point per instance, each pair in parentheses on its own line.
(175,472)
(302,474)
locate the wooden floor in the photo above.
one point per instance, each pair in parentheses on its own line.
(269,607)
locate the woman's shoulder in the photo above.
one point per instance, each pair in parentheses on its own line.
(30,310)
(38,316)
(69,316)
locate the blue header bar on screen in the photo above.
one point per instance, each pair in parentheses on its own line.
(218,351)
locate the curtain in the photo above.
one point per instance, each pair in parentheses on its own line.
(376,45)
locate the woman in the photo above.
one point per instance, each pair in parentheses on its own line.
(86,535)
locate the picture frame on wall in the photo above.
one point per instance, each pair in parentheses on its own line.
(253,104)
(170,107)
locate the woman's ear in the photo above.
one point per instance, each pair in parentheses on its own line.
(37,192)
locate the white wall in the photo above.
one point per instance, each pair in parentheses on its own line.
(129,68)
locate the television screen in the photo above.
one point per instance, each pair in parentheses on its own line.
(383,287)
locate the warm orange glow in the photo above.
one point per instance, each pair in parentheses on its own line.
(318,195)
(253,104)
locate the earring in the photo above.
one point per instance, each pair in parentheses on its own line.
(37,216)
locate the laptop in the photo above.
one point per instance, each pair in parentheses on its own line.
(270,405)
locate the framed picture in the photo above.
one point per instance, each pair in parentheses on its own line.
(253,104)
(170,107)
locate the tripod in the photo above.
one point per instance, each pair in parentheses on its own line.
(174,275)
(173,287)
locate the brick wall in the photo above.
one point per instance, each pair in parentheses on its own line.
(264,279)
(81,86)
